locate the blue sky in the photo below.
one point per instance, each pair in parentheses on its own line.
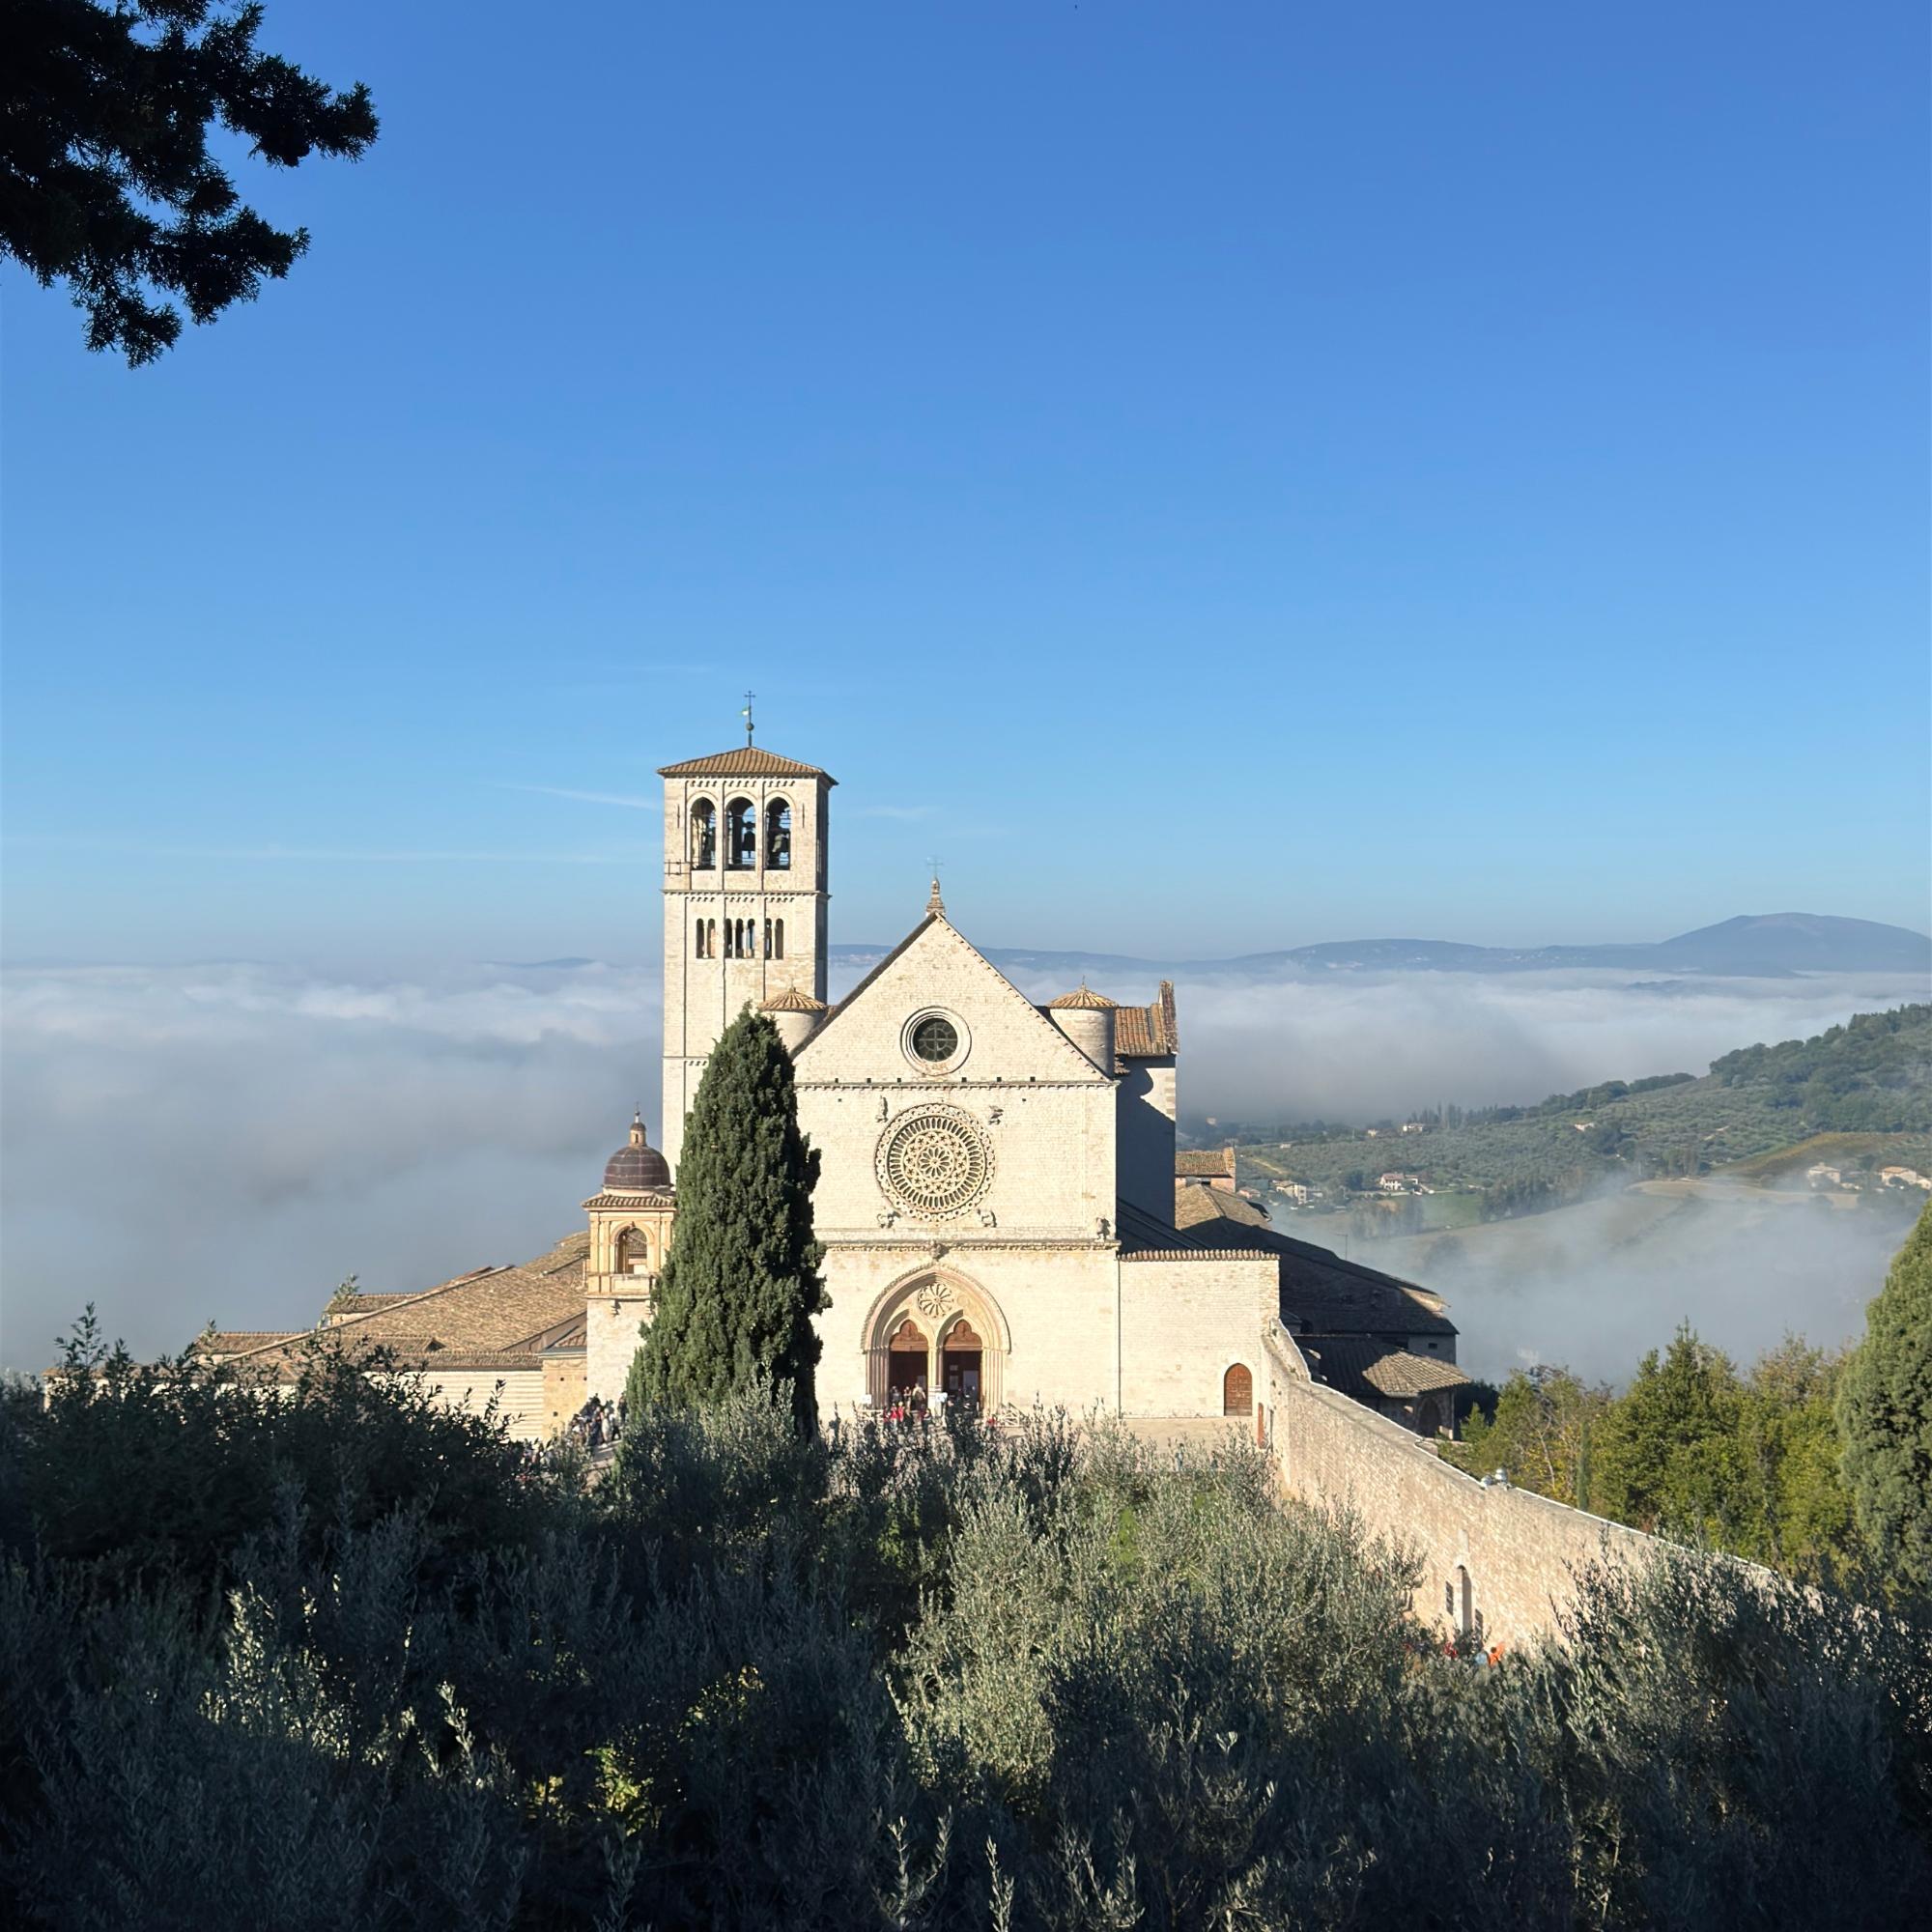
(1220,476)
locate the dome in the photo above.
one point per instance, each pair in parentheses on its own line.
(634,1168)
(793,1000)
(1086,1000)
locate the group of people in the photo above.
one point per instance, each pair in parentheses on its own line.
(906,1407)
(596,1423)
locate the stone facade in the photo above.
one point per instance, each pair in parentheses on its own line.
(975,1152)
(997,1188)
(744,902)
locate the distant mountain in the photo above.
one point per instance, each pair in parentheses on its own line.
(1760,946)
(1800,940)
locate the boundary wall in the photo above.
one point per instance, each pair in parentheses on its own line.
(1499,1563)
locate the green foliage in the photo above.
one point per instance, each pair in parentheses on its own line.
(1885,1409)
(144,1471)
(741,1285)
(1669,1455)
(106,183)
(1541,1431)
(1046,1680)
(1749,1464)
(1872,1074)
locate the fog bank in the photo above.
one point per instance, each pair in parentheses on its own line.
(231,1141)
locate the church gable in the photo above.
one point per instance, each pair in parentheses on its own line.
(879,1030)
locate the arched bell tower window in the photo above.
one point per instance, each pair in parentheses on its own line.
(778,835)
(740,835)
(634,1252)
(703,836)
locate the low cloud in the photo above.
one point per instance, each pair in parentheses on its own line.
(1595,1285)
(231,1141)
(1351,1047)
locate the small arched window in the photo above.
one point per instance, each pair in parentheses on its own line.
(778,939)
(703,836)
(778,835)
(1238,1391)
(634,1252)
(741,835)
(711,939)
(698,940)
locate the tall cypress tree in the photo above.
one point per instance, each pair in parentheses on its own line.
(738,1292)
(1885,1415)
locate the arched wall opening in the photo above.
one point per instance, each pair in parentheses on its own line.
(740,835)
(953,1326)
(703,836)
(908,1360)
(1238,1390)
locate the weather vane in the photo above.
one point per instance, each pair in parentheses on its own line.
(746,715)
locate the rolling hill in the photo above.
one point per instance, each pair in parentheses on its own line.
(1867,1084)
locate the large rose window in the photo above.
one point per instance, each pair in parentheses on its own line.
(934,1162)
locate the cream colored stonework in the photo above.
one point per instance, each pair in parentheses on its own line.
(978,1193)
(706,985)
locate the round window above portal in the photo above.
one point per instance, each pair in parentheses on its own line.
(934,1162)
(935,1040)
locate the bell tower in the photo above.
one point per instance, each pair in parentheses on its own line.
(744,901)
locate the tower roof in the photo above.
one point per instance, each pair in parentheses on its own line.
(743,761)
(636,1168)
(1086,999)
(793,1000)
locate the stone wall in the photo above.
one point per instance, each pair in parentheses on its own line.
(518,1393)
(613,1334)
(1496,1552)
(1183,1324)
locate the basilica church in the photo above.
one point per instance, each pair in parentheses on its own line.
(1004,1213)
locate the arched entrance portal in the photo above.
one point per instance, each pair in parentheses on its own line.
(961,1360)
(934,1330)
(907,1360)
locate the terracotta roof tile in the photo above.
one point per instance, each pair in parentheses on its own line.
(1084,999)
(743,761)
(1221,1160)
(240,1341)
(1193,1206)
(1148,1033)
(1365,1368)
(793,1000)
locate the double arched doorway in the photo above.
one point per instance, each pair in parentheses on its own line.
(936,1331)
